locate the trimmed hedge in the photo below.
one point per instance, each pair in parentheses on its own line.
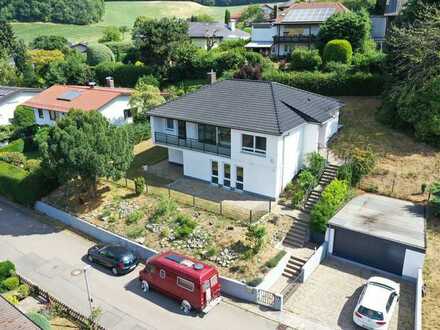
(124,75)
(272,262)
(99,53)
(330,83)
(303,59)
(338,51)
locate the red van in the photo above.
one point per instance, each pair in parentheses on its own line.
(188,280)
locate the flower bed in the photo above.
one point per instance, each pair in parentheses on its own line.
(238,249)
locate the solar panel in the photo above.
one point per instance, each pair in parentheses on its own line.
(175,258)
(309,15)
(69,96)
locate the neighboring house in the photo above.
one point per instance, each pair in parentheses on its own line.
(10,98)
(382,23)
(12,318)
(245,135)
(56,101)
(210,35)
(296,26)
(378,29)
(80,47)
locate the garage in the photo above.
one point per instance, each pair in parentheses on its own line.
(380,232)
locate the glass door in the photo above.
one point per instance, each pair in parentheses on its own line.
(227,175)
(181,129)
(214,172)
(239,178)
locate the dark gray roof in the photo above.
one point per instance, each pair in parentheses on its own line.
(202,29)
(250,105)
(8,91)
(393,7)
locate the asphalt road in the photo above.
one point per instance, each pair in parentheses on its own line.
(47,254)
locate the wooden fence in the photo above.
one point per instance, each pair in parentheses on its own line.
(222,208)
(40,294)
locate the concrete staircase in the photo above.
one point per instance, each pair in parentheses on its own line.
(327,176)
(293,267)
(296,236)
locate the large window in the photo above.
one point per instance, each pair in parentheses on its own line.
(224,136)
(52,115)
(251,143)
(207,134)
(239,178)
(227,175)
(187,285)
(40,113)
(170,124)
(214,172)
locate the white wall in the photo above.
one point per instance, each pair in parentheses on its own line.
(419,297)
(311,135)
(114,111)
(263,34)
(46,117)
(7,107)
(328,129)
(175,156)
(413,262)
(314,261)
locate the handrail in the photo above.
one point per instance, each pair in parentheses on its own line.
(294,38)
(192,144)
(312,187)
(293,284)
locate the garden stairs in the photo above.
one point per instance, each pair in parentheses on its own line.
(293,267)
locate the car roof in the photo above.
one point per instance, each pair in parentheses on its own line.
(375,297)
(118,250)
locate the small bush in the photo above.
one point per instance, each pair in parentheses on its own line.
(272,262)
(135,231)
(6,269)
(297,198)
(139,185)
(185,226)
(256,234)
(99,53)
(362,163)
(345,172)
(316,163)
(212,251)
(11,283)
(254,282)
(306,180)
(165,232)
(303,59)
(164,210)
(23,291)
(11,298)
(13,158)
(134,217)
(338,50)
(435,198)
(40,320)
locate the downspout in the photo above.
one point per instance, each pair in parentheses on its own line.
(282,164)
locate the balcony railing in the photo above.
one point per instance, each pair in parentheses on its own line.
(173,140)
(300,38)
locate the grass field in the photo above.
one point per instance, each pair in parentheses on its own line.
(120,13)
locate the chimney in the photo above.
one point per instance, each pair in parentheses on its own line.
(92,84)
(231,25)
(212,77)
(110,82)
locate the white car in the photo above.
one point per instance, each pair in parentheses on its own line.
(376,303)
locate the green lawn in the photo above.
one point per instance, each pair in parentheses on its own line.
(120,13)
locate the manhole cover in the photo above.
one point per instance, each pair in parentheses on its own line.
(76,272)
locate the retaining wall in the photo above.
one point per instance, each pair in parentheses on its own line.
(314,261)
(418,305)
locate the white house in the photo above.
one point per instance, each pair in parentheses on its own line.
(10,98)
(56,101)
(210,35)
(245,135)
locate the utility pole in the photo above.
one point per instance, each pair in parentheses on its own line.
(89,297)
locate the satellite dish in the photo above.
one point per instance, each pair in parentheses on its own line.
(198,266)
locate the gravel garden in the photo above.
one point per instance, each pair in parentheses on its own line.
(239,249)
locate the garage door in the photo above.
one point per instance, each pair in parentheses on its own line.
(369,250)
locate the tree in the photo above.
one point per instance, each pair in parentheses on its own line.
(73,70)
(41,57)
(351,26)
(248,71)
(83,147)
(8,75)
(50,43)
(111,33)
(156,38)
(124,29)
(252,14)
(7,39)
(20,55)
(303,59)
(202,18)
(227,16)
(24,117)
(356,5)
(339,51)
(145,97)
(99,53)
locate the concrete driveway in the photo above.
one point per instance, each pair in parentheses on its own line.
(47,255)
(330,295)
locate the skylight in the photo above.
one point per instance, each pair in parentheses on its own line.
(69,96)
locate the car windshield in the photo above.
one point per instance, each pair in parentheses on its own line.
(371,314)
(127,258)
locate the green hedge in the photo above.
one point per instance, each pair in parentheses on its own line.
(125,75)
(23,187)
(99,53)
(330,83)
(338,51)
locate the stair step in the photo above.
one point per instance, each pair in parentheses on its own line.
(298,259)
(290,273)
(295,263)
(293,244)
(294,240)
(296,235)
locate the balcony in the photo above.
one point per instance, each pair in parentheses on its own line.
(300,38)
(192,144)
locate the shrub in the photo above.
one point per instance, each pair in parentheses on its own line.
(11,298)
(362,163)
(32,165)
(125,75)
(345,172)
(316,163)
(435,198)
(138,132)
(135,231)
(139,185)
(6,269)
(99,53)
(272,262)
(134,217)
(303,59)
(212,251)
(14,158)
(111,33)
(23,291)
(165,209)
(370,61)
(306,180)
(256,234)
(120,49)
(338,51)
(332,198)
(185,226)
(40,320)
(11,283)
(255,281)
(297,198)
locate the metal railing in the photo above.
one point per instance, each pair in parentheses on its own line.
(300,38)
(292,285)
(192,144)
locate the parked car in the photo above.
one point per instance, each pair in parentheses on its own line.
(376,303)
(193,283)
(116,257)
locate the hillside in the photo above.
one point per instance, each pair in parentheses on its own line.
(120,13)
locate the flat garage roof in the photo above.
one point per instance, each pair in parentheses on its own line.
(383,217)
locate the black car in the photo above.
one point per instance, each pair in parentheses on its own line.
(116,257)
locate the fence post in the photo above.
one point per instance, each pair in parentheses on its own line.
(392,188)
(146,186)
(250,216)
(169,192)
(126,182)
(270,206)
(221,207)
(194,200)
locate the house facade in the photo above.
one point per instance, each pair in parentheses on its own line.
(10,98)
(210,35)
(296,26)
(56,101)
(244,135)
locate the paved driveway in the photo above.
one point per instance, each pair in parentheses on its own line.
(331,293)
(46,255)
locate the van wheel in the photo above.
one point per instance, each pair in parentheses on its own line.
(144,286)
(185,306)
